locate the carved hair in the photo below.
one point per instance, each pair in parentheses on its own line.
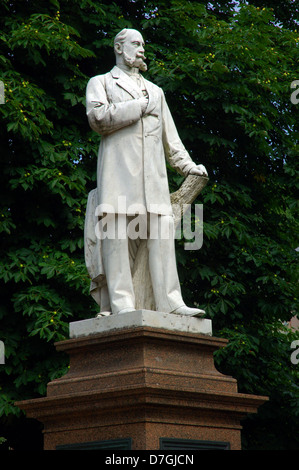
(121,36)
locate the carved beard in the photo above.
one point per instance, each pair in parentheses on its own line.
(137,62)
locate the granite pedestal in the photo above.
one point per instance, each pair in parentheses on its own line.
(143,380)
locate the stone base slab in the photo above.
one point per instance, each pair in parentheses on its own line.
(141,318)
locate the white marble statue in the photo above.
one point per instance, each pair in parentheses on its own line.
(138,134)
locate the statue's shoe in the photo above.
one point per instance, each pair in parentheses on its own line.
(193,312)
(103,314)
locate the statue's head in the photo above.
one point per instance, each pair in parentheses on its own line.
(129,49)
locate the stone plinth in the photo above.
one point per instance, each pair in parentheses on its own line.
(139,318)
(142,376)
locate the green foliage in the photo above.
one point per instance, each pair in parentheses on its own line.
(44,186)
(227,75)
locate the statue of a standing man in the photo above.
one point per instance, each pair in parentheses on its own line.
(138,133)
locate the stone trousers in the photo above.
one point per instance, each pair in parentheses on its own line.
(118,258)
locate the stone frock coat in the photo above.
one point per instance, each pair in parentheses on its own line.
(131,158)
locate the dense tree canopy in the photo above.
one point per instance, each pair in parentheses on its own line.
(226,69)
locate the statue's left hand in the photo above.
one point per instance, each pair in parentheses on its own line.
(199,170)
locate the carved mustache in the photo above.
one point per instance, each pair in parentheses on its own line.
(141,56)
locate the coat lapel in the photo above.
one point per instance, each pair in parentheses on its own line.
(152,97)
(125,82)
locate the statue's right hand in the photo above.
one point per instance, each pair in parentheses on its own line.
(143,103)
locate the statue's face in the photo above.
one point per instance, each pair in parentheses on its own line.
(133,50)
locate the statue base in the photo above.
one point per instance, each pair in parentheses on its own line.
(143,380)
(139,318)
